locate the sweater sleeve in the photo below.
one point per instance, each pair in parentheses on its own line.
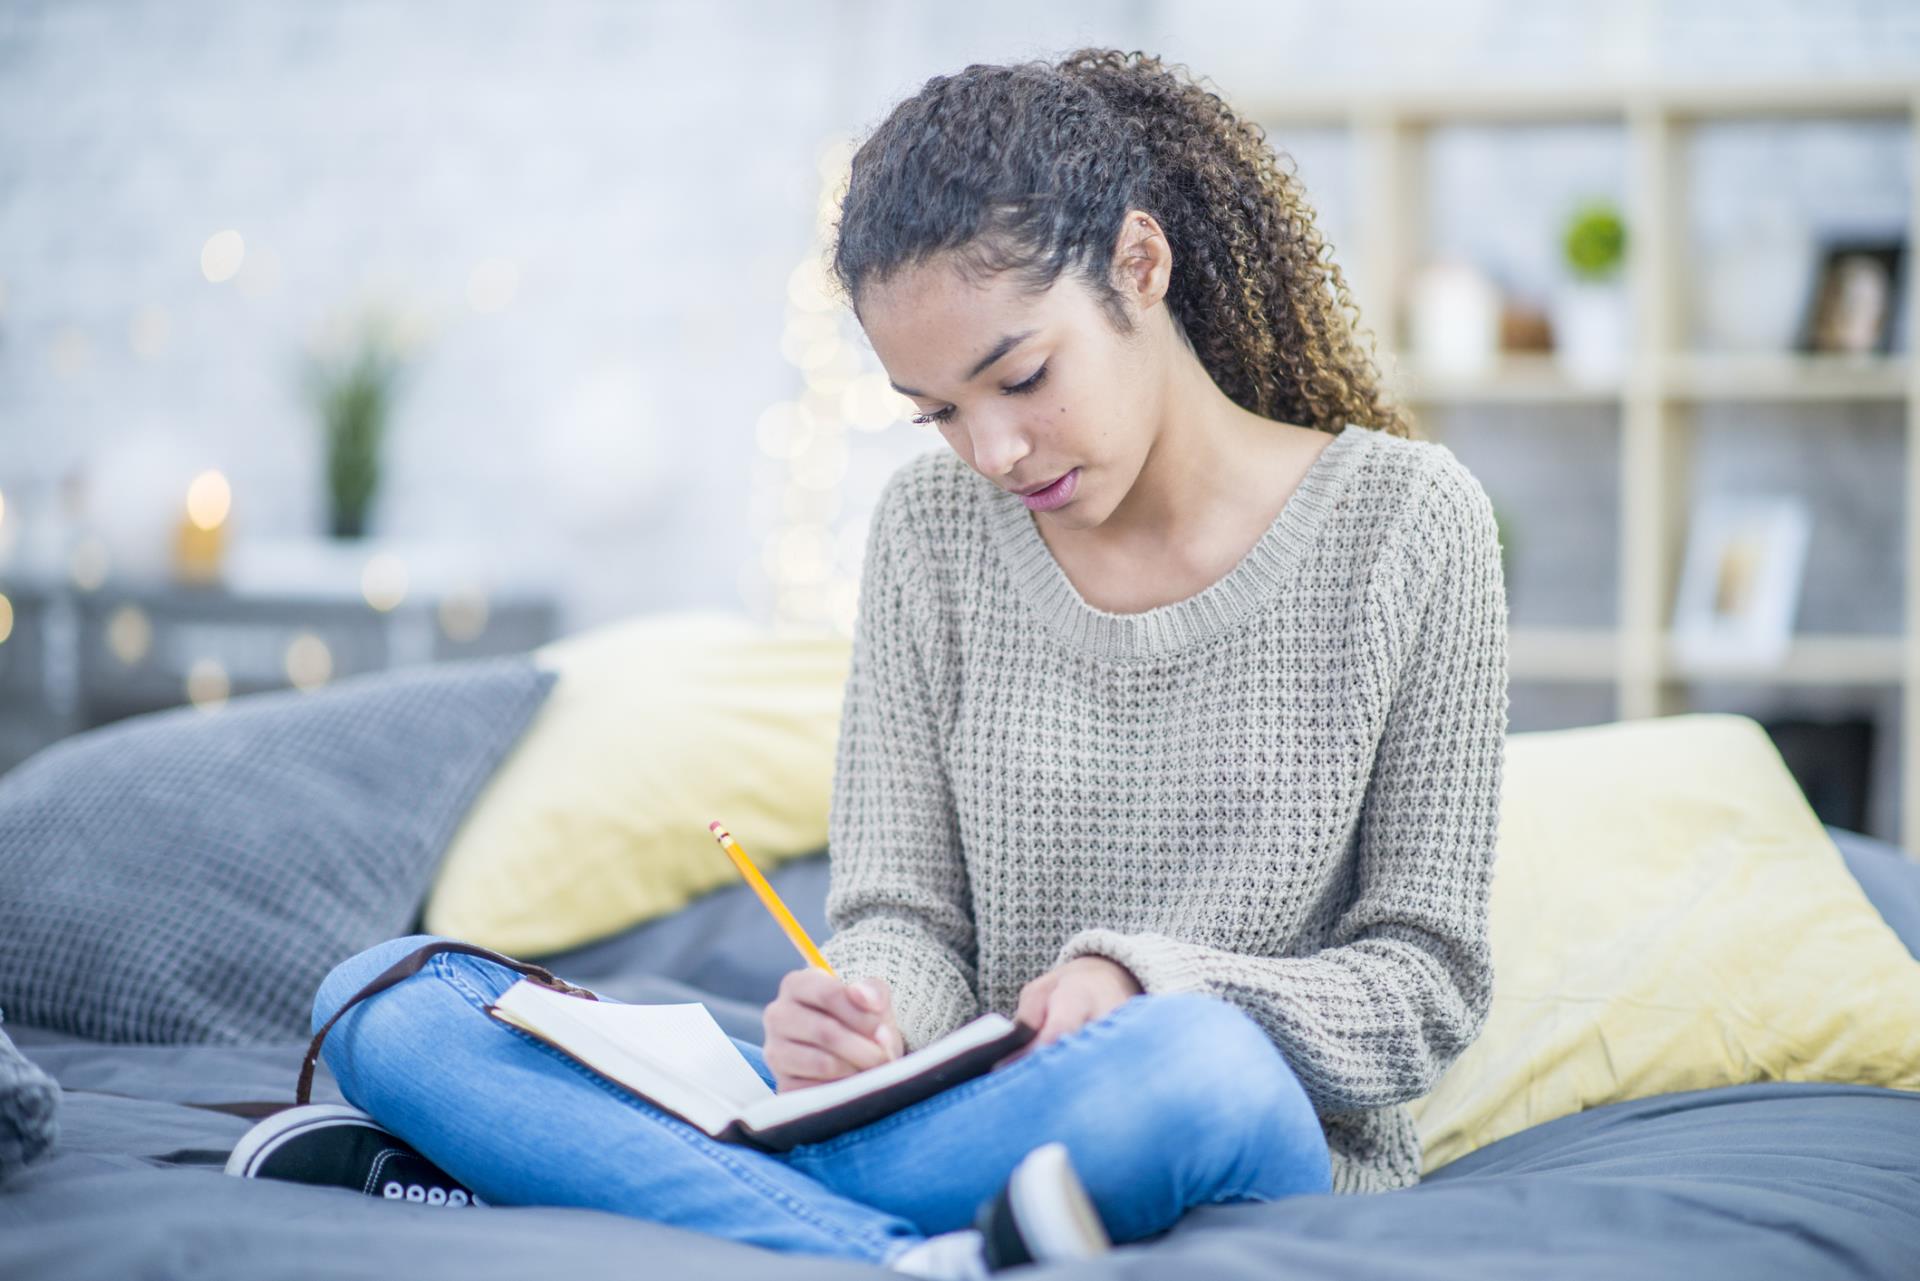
(1405,986)
(898,900)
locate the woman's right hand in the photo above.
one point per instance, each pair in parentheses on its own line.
(820,1029)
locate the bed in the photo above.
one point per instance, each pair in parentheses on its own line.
(1775,1180)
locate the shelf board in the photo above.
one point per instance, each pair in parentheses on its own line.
(1592,654)
(1784,377)
(1562,653)
(1517,378)
(1811,659)
(1575,101)
(1530,379)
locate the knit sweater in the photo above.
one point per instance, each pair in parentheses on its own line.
(1282,790)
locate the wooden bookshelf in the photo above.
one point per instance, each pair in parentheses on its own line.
(1664,381)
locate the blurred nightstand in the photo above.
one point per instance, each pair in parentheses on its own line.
(76,659)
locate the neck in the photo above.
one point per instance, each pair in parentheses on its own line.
(1200,468)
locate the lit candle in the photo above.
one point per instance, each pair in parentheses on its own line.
(197,550)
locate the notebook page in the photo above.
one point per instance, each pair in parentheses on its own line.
(684,1039)
(675,1054)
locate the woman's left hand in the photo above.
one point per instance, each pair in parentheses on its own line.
(1070,996)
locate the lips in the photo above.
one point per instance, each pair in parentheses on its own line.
(1037,488)
(1054,496)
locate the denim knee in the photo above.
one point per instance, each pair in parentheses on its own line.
(354,973)
(1235,1096)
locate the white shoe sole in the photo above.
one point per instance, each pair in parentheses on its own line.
(1057,1219)
(270,1132)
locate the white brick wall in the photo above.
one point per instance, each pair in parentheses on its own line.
(650,171)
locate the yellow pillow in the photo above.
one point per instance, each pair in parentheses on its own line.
(1669,914)
(656,727)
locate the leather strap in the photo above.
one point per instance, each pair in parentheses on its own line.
(406,966)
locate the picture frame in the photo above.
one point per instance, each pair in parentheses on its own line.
(1853,304)
(1741,580)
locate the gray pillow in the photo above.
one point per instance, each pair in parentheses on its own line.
(1890,877)
(29,1110)
(191,875)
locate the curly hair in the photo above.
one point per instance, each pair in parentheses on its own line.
(1031,168)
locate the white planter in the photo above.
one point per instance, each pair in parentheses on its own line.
(1590,333)
(1454,315)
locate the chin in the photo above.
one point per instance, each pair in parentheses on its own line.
(1074,516)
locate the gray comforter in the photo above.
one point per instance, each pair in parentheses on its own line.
(1784,1181)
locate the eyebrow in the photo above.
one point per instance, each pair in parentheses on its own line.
(1000,349)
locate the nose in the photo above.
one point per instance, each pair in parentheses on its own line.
(998,448)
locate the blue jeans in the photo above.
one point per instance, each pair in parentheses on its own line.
(1168,1102)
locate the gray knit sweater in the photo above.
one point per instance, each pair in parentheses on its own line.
(1282,790)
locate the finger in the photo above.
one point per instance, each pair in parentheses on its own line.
(1032,1009)
(888,1037)
(1036,1018)
(871,994)
(788,1020)
(1065,1013)
(834,998)
(791,1059)
(811,986)
(782,1015)
(862,1052)
(860,1048)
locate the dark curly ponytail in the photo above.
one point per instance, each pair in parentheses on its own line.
(1031,169)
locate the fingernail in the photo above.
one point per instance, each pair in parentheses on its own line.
(865,995)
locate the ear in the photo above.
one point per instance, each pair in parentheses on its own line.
(1142,260)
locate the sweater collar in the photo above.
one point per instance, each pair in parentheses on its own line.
(1164,629)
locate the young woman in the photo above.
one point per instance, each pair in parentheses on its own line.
(1174,727)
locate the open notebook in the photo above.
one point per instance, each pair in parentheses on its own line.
(678,1058)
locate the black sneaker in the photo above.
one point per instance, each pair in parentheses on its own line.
(340,1146)
(1042,1215)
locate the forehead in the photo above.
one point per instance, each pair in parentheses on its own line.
(929,321)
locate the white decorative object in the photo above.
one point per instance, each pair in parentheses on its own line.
(1454,320)
(1740,586)
(135,490)
(1751,284)
(1590,332)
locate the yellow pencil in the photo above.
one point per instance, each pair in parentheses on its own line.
(769,898)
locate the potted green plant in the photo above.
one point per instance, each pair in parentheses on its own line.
(353,388)
(1590,312)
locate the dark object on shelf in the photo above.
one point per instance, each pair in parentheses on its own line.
(1854,303)
(1832,760)
(1525,326)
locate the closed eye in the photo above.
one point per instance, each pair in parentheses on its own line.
(1019,389)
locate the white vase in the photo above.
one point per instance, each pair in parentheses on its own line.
(1454,315)
(1590,333)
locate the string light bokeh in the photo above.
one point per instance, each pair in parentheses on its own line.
(807,576)
(98,528)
